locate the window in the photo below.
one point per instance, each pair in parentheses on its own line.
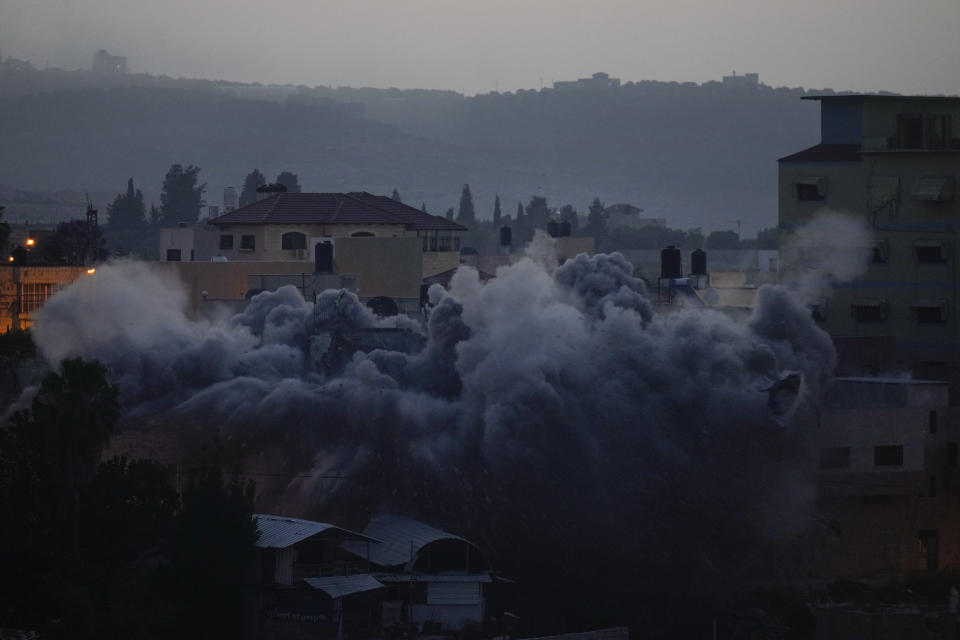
(909,131)
(934,189)
(938,132)
(361,234)
(226,241)
(932,426)
(173,255)
(433,241)
(870,310)
(34,294)
(456,243)
(425,242)
(292,240)
(930,311)
(811,188)
(888,456)
(881,252)
(247,242)
(953,454)
(835,458)
(445,243)
(930,252)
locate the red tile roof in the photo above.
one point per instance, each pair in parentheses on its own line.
(335,208)
(826,153)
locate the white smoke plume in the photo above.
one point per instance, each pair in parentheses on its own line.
(549,411)
(832,247)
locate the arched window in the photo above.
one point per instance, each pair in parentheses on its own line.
(361,234)
(293,240)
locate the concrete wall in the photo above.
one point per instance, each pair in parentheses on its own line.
(390,267)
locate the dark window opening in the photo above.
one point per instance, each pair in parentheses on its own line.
(932,425)
(248,242)
(953,454)
(888,456)
(226,241)
(173,255)
(809,192)
(933,487)
(909,131)
(870,312)
(930,314)
(361,234)
(880,252)
(835,458)
(292,241)
(938,132)
(930,254)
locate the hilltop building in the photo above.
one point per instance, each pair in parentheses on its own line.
(746,80)
(596,81)
(894,162)
(105,63)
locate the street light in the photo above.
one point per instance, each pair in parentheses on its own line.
(92,270)
(31,242)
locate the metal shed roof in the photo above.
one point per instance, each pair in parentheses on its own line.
(339,586)
(279,532)
(401,540)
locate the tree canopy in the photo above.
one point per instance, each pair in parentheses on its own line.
(288,180)
(181,197)
(127,211)
(248,195)
(466,215)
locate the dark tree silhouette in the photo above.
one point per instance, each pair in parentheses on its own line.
(290,181)
(466,214)
(181,198)
(569,214)
(450,213)
(4,232)
(248,195)
(497,214)
(596,221)
(395,195)
(214,533)
(127,211)
(723,240)
(70,244)
(423,207)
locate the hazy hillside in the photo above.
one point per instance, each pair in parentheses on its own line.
(696,154)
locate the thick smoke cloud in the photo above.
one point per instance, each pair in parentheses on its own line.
(549,411)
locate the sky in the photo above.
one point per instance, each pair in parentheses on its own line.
(476,47)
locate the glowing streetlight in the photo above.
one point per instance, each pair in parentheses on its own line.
(10,259)
(31,242)
(91,270)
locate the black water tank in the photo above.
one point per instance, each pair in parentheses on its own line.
(671,264)
(553,228)
(506,236)
(323,257)
(698,262)
(565,229)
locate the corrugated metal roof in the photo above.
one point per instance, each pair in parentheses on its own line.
(279,532)
(401,540)
(435,577)
(339,586)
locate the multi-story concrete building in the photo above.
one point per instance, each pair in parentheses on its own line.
(892,161)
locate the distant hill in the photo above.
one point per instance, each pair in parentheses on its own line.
(694,154)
